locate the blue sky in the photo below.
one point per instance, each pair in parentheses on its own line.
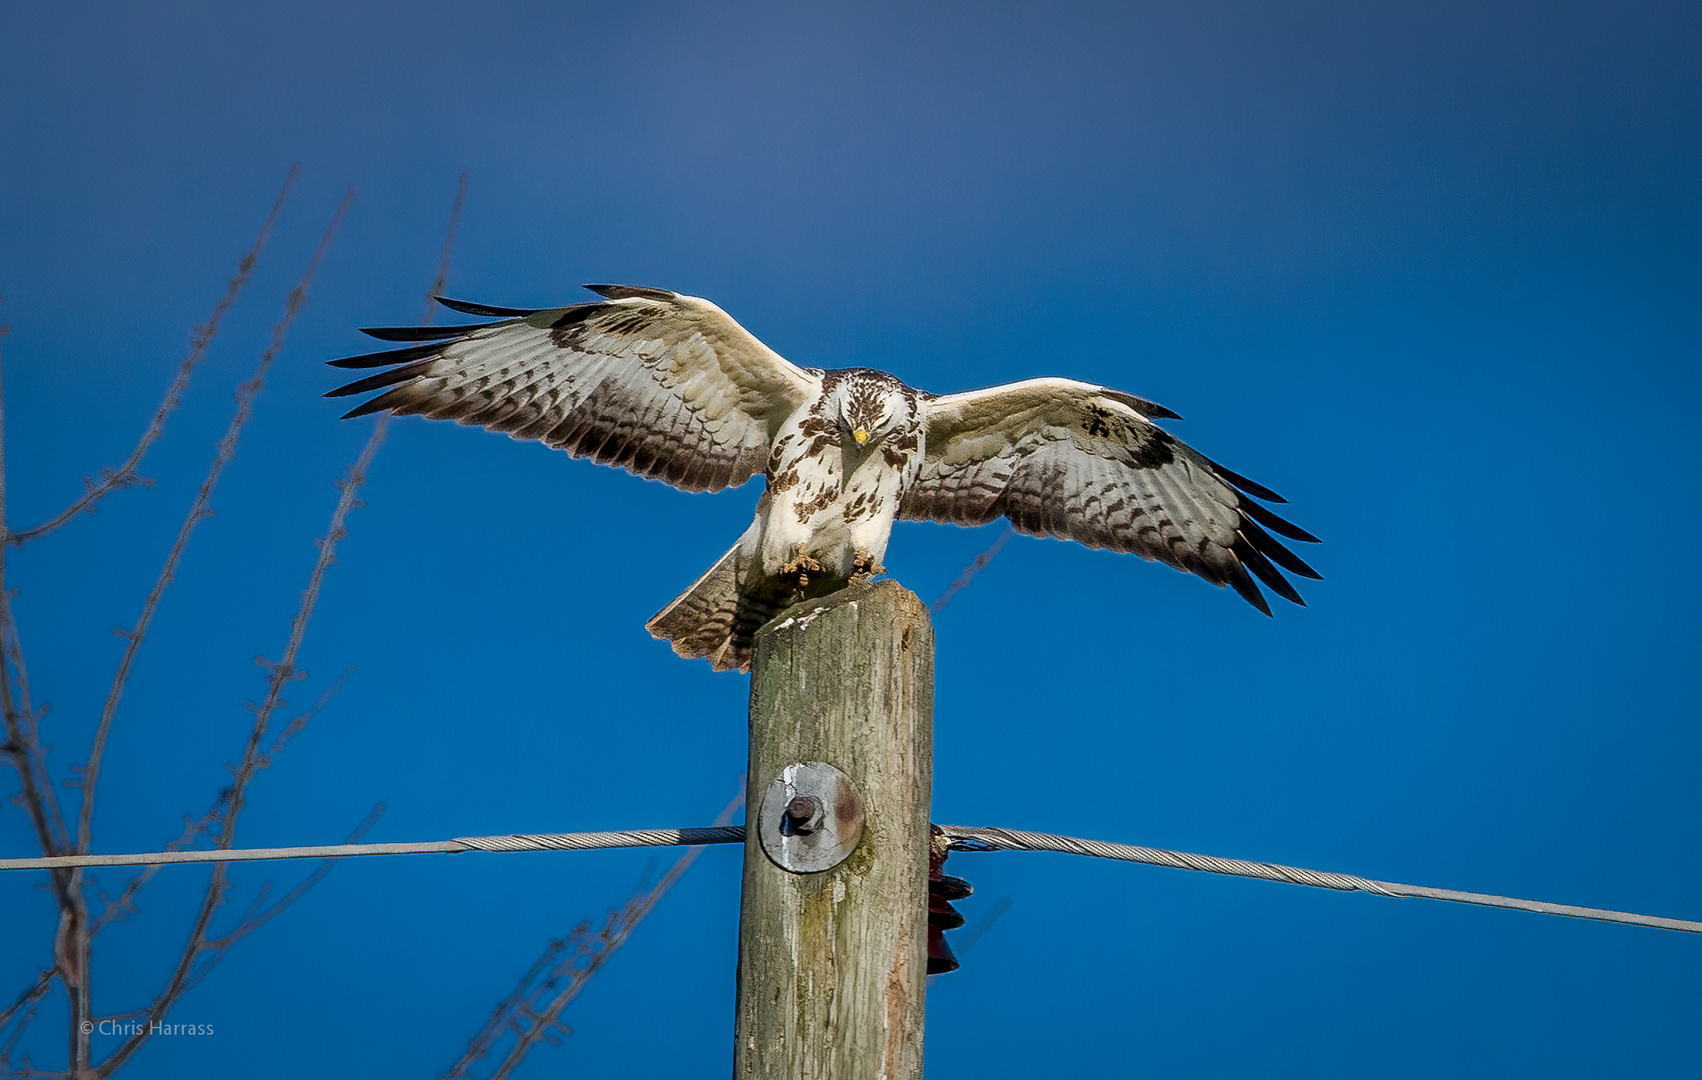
(1429,270)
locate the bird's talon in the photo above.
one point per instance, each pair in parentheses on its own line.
(862,564)
(798,571)
(800,564)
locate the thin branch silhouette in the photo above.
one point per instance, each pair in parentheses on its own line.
(23,746)
(525,1011)
(442,277)
(125,475)
(124,905)
(197,511)
(23,1009)
(260,913)
(86,910)
(972,569)
(23,743)
(74,925)
(200,953)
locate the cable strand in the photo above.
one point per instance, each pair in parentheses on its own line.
(976,839)
(963,838)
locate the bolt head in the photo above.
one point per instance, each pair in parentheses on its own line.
(803,813)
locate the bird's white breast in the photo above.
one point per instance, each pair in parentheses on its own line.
(829,497)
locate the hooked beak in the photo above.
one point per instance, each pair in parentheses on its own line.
(861,435)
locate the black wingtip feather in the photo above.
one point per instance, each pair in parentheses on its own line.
(466,308)
(1271,549)
(1278,524)
(379,381)
(418,333)
(630,292)
(1152,410)
(390,400)
(1250,556)
(1257,490)
(365,409)
(389,356)
(578,313)
(1242,582)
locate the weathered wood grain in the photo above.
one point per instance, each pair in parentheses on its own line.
(832,965)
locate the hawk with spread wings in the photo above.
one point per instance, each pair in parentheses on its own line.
(670,387)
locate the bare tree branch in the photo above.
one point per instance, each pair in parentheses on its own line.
(73,891)
(442,277)
(198,510)
(23,745)
(972,569)
(525,1013)
(225,825)
(23,1008)
(984,924)
(517,999)
(35,751)
(202,952)
(260,913)
(125,475)
(124,904)
(24,749)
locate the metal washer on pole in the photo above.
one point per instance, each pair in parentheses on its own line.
(811,817)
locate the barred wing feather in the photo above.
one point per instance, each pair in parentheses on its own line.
(664,385)
(1086,463)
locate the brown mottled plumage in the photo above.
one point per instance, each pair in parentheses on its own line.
(670,387)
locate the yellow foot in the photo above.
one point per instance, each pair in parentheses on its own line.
(801,562)
(861,564)
(800,569)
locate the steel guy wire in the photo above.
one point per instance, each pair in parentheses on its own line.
(962,838)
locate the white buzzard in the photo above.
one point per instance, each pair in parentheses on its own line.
(670,387)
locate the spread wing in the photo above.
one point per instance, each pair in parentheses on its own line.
(1082,462)
(664,385)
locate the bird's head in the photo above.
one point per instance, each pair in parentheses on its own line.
(869,406)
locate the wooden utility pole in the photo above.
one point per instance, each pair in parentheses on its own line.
(832,962)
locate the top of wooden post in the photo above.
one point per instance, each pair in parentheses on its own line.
(905,607)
